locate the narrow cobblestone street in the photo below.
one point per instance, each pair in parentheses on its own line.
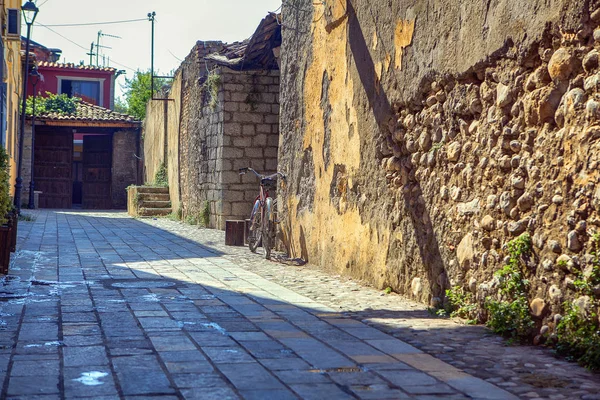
(100,305)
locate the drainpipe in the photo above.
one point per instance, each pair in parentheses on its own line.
(166,131)
(179,134)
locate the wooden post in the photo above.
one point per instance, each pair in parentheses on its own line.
(246,230)
(234,232)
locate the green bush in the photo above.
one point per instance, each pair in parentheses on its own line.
(5,200)
(205,214)
(52,103)
(509,316)
(460,303)
(579,337)
(578,332)
(161,178)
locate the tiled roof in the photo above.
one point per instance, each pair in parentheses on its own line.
(87,112)
(256,52)
(49,64)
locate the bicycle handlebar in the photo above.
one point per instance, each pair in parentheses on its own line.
(261,176)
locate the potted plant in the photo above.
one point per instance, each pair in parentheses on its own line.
(7,221)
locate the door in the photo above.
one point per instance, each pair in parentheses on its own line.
(97,161)
(52,168)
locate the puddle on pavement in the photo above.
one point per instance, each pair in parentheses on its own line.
(8,296)
(216,327)
(139,283)
(47,344)
(6,280)
(345,369)
(91,378)
(157,284)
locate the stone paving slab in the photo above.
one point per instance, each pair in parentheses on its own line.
(113,307)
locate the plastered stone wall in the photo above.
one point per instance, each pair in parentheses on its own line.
(419,138)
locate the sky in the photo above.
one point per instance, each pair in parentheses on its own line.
(179,24)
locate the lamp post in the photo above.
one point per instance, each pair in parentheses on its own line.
(30,11)
(35,78)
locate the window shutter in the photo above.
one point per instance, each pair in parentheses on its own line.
(14,22)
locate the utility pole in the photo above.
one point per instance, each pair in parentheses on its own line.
(98,47)
(91,53)
(151,17)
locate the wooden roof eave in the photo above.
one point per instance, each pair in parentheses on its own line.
(88,124)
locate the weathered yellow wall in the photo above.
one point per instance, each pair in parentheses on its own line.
(375,99)
(13,65)
(155,136)
(173,126)
(329,231)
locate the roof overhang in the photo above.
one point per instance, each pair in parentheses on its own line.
(87,124)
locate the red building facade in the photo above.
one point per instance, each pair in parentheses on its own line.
(95,85)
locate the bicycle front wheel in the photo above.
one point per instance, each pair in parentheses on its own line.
(255,230)
(268,235)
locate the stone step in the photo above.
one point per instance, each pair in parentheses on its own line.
(154,204)
(154,212)
(152,189)
(145,197)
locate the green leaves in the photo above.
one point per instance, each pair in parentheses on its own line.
(510,315)
(461,304)
(579,337)
(52,103)
(138,91)
(161,178)
(5,202)
(578,332)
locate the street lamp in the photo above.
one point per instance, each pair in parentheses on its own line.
(30,11)
(35,78)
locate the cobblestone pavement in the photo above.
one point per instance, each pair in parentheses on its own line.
(100,305)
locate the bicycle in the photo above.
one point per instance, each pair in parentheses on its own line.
(264,214)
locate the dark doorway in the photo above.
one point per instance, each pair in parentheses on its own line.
(77,184)
(52,170)
(96,171)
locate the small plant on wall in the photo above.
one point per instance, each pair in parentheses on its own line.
(212,85)
(5,203)
(161,178)
(509,316)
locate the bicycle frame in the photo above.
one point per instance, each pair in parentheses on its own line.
(264,206)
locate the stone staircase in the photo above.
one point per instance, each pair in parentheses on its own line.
(148,201)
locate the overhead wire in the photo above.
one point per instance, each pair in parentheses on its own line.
(83,47)
(125,21)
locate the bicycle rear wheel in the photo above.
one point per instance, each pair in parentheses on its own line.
(255,230)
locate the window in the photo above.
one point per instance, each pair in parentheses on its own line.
(3,117)
(88,91)
(14,22)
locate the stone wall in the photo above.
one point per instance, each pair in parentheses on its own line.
(420,138)
(124,166)
(250,137)
(213,138)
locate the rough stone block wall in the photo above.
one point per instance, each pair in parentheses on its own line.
(250,137)
(198,130)
(124,166)
(213,138)
(420,138)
